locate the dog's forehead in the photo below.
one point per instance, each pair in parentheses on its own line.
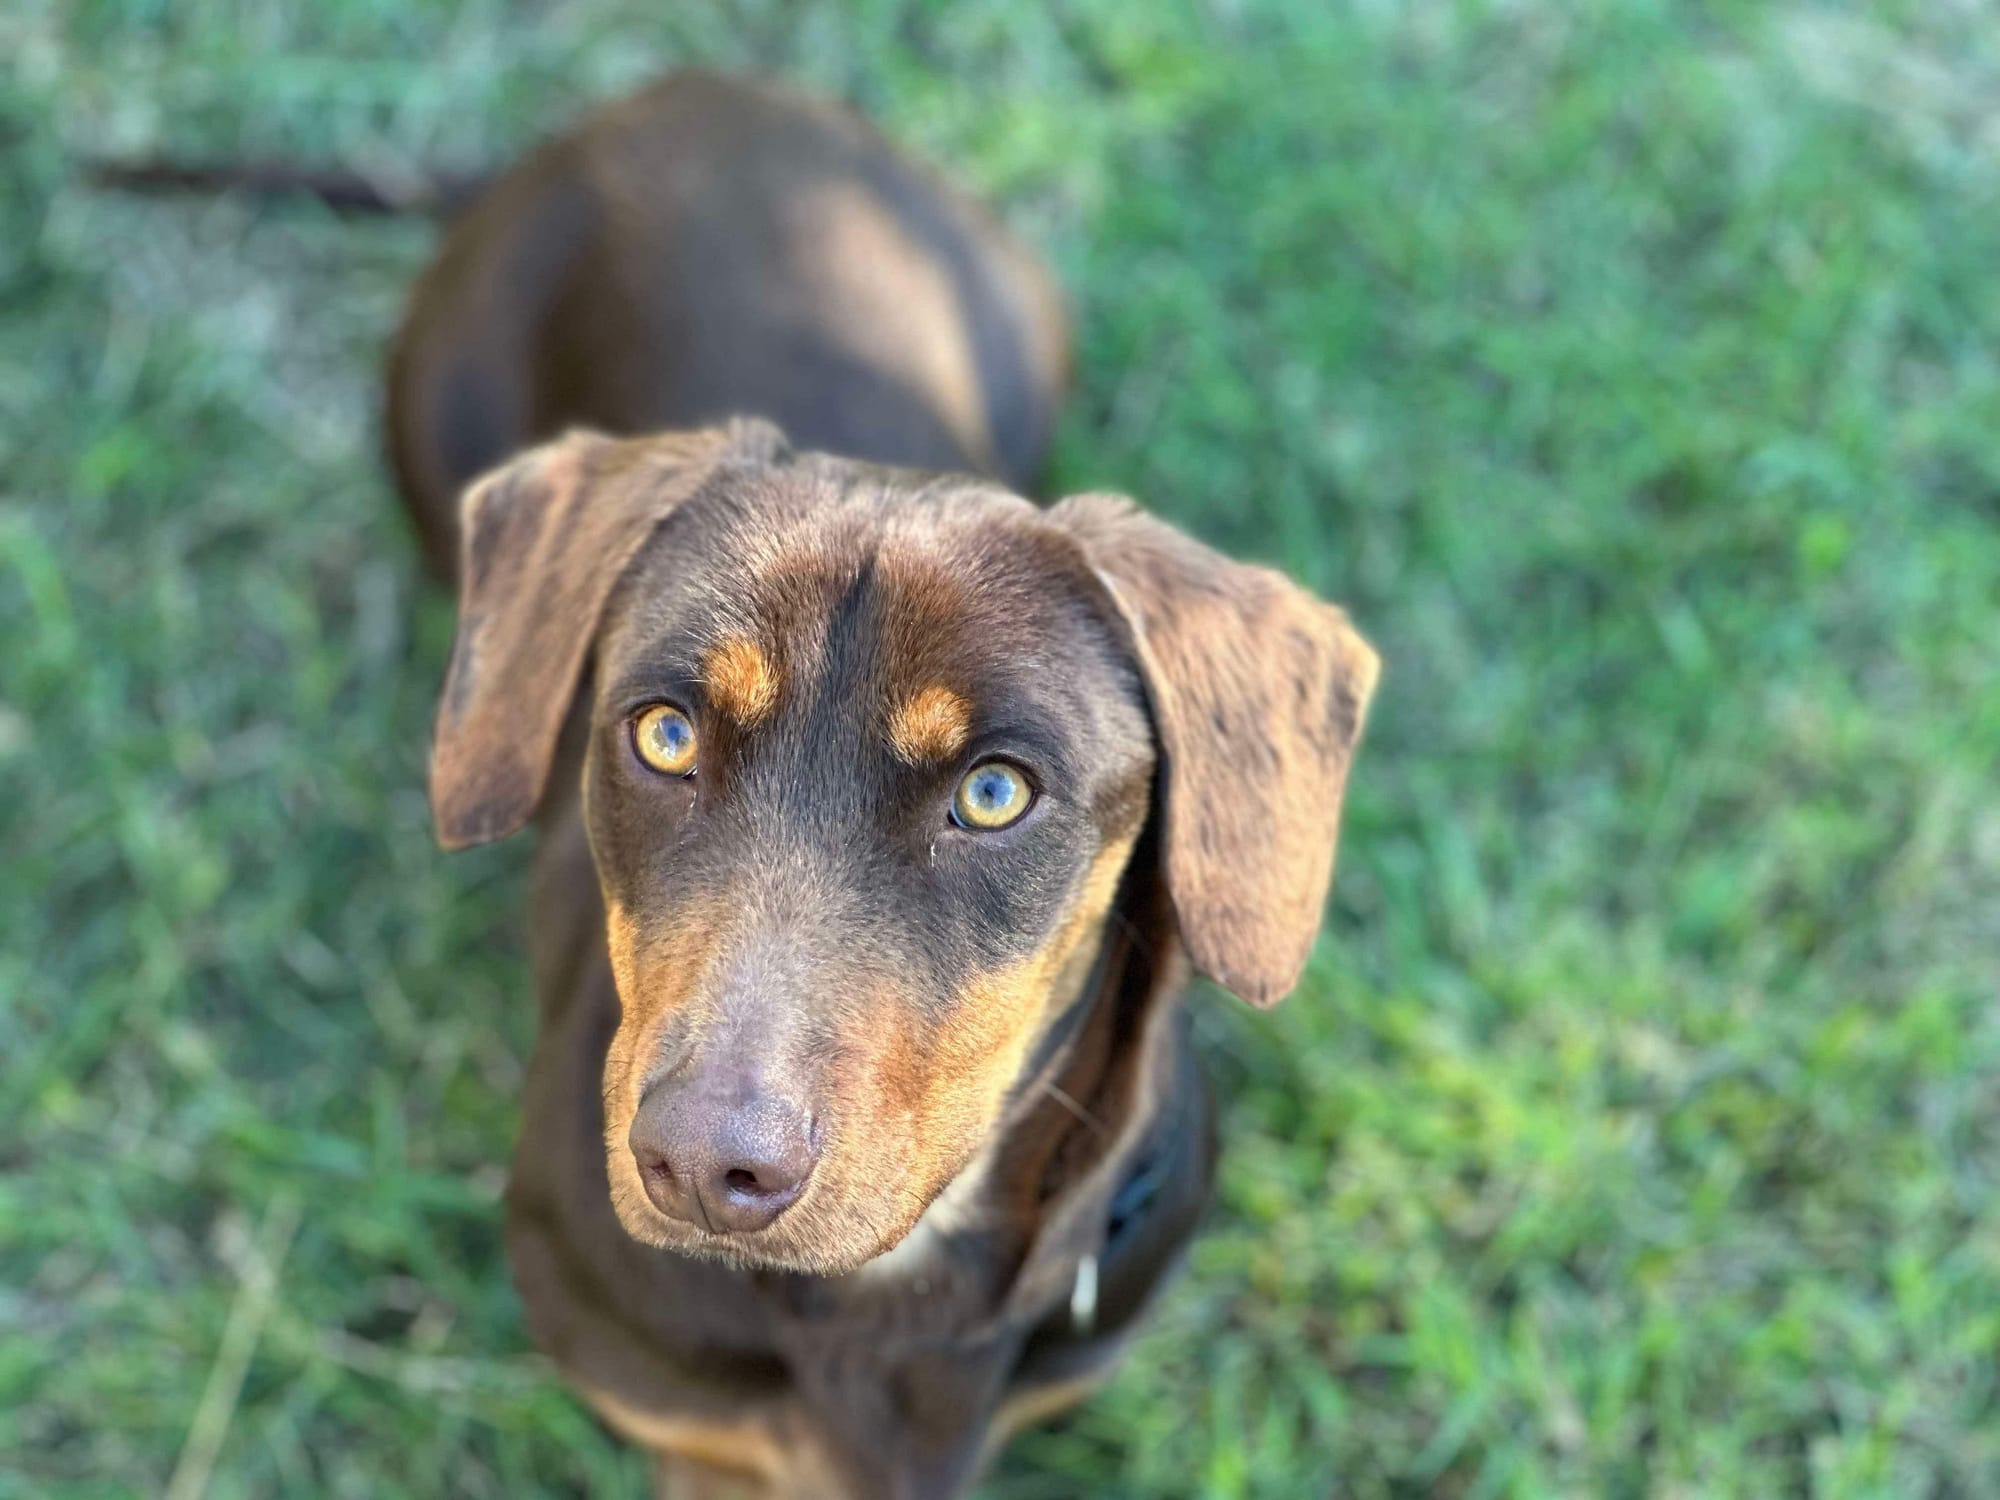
(913,581)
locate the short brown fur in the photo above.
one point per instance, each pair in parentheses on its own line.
(984,1030)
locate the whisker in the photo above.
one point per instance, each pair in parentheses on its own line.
(1055,1092)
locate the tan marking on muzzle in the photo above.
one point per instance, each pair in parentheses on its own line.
(650,994)
(940,1095)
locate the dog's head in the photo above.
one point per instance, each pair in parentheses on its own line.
(869,754)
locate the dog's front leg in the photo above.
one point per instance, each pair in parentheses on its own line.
(678,1477)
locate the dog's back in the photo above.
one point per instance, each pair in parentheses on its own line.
(716,247)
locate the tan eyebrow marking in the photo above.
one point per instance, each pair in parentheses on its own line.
(740,680)
(930,725)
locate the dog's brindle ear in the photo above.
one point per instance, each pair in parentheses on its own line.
(1258,693)
(544,540)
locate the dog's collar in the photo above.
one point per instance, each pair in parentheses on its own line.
(1130,1204)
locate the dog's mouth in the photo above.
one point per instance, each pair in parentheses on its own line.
(764,1250)
(783,1246)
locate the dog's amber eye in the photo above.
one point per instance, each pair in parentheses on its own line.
(665,739)
(992,795)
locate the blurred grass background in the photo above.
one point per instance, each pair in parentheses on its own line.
(1631,372)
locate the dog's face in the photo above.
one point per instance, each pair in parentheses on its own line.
(869,755)
(865,769)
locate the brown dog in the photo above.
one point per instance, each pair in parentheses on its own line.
(877,807)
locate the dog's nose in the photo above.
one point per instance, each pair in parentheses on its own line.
(728,1159)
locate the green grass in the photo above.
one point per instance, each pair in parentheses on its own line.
(1633,372)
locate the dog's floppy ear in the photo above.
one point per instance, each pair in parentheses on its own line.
(1258,693)
(544,539)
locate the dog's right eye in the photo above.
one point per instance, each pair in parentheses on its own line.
(992,795)
(664,738)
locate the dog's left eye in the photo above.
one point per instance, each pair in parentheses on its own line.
(665,740)
(992,795)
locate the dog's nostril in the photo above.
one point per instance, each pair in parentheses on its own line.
(737,1180)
